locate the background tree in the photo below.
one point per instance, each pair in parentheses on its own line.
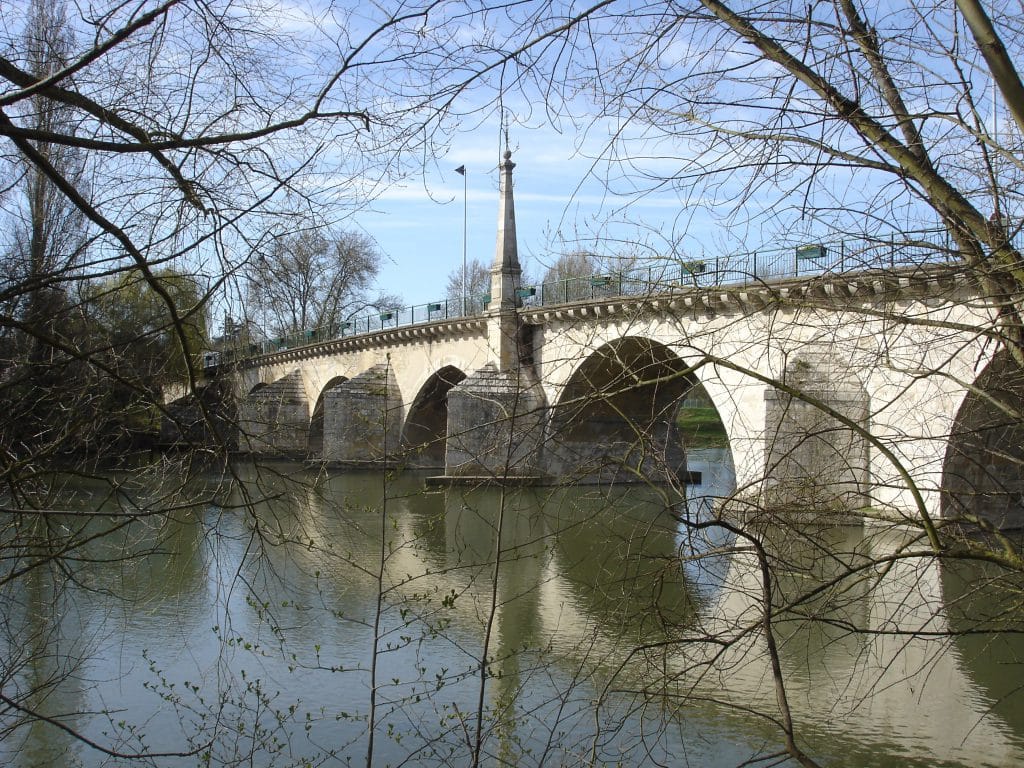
(312,279)
(581,274)
(478,284)
(128,333)
(48,236)
(572,265)
(140,143)
(46,241)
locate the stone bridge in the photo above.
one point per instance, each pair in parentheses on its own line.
(878,390)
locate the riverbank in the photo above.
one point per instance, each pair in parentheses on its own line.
(702,428)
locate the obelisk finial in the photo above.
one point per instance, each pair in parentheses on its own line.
(506,275)
(506,256)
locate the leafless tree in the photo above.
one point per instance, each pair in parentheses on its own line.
(48,236)
(478,284)
(139,140)
(46,239)
(803,124)
(312,279)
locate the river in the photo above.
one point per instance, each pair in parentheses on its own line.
(263,618)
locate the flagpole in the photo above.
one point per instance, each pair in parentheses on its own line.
(461,170)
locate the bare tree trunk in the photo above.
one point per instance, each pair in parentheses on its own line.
(1003,70)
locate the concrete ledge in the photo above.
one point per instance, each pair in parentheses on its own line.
(382,339)
(510,481)
(689,478)
(826,290)
(288,457)
(362,466)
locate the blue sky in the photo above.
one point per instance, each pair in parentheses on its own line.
(681,193)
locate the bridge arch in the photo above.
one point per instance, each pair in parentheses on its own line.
(424,434)
(316,421)
(615,418)
(982,472)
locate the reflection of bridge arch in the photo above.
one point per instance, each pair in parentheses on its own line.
(616,414)
(316,421)
(426,427)
(872,663)
(982,471)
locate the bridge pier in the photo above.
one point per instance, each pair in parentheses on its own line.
(495,425)
(617,450)
(497,415)
(363,418)
(815,459)
(205,417)
(274,419)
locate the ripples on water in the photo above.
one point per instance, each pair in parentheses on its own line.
(242,626)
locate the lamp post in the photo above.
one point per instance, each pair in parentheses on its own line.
(461,170)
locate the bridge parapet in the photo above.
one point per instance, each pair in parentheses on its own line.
(933,282)
(384,339)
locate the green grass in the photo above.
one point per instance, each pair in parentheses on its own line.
(701,428)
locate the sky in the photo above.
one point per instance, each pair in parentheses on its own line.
(561,203)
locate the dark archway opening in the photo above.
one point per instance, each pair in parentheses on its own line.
(616,418)
(315,443)
(424,438)
(983,473)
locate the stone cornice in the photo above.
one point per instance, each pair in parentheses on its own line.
(861,288)
(390,337)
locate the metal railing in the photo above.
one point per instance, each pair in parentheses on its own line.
(767,264)
(371,322)
(807,260)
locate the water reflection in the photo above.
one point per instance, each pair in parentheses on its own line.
(865,651)
(984,607)
(251,619)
